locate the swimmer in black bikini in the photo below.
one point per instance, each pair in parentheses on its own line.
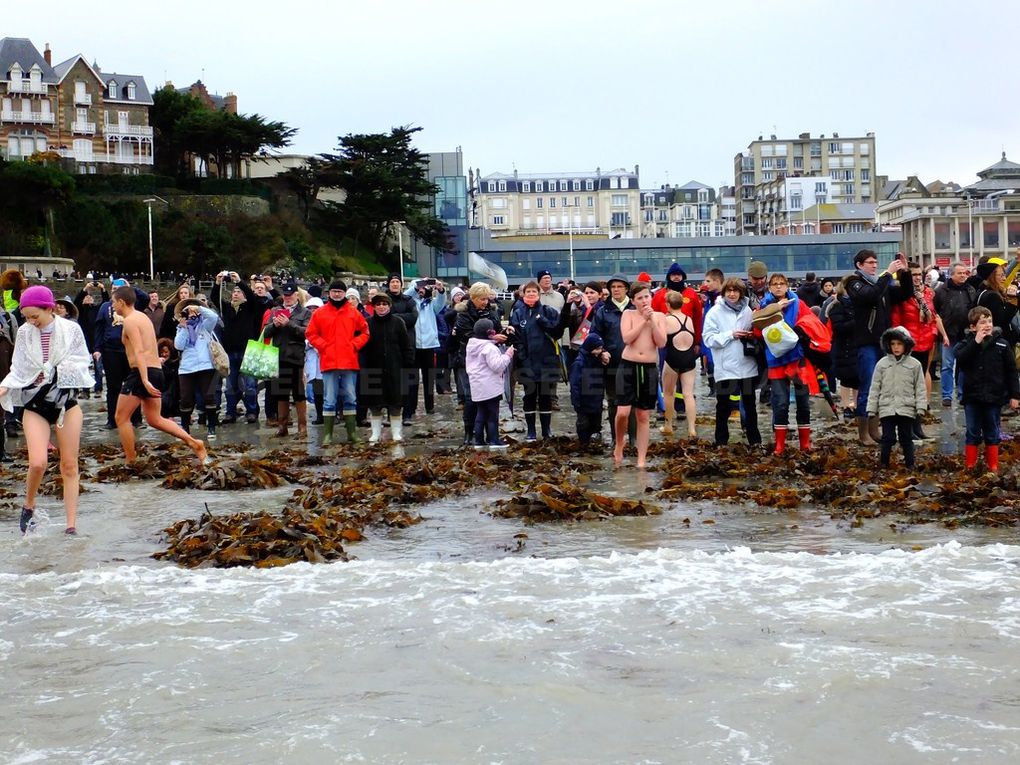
(681,363)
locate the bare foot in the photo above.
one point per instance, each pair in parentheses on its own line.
(617,456)
(201,453)
(641,465)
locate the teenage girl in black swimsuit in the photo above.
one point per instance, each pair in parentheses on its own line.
(681,361)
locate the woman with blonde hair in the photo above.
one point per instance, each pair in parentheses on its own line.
(481,304)
(168,327)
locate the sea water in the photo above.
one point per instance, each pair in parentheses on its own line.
(463,654)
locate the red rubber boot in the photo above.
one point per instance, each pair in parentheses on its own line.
(992,458)
(804,433)
(780,439)
(970,455)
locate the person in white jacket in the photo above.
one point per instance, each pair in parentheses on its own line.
(50,363)
(727,332)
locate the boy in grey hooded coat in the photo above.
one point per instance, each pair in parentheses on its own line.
(897,394)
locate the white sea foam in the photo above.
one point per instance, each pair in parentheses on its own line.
(723,655)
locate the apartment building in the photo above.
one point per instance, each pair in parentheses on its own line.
(950,224)
(780,204)
(848,162)
(97,121)
(681,211)
(726,209)
(826,218)
(590,202)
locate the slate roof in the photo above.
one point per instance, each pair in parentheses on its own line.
(842,211)
(142,95)
(1001,169)
(64,67)
(20,50)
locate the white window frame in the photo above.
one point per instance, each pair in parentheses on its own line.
(498,220)
(539,187)
(526,187)
(589,185)
(131,91)
(502,186)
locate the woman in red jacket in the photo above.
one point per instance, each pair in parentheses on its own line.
(917,315)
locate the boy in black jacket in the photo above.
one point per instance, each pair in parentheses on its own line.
(587,386)
(989,378)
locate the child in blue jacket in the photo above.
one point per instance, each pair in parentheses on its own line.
(587,386)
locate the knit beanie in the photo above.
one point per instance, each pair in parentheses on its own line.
(37,297)
(482,328)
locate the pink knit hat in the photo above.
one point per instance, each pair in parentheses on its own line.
(37,297)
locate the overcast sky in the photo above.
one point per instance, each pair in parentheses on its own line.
(676,87)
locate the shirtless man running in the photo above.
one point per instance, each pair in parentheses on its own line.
(637,378)
(143,382)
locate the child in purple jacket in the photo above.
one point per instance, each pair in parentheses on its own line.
(485,365)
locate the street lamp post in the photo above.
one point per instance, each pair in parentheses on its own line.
(400,249)
(148,204)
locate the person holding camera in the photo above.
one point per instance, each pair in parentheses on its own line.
(429,296)
(241,311)
(195,326)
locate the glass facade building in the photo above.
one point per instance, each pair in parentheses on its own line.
(827,255)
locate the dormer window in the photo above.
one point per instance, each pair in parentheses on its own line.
(111,89)
(131,91)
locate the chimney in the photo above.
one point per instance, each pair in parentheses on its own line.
(805,136)
(636,168)
(230,103)
(48,55)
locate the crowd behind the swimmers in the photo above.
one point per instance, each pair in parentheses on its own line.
(372,357)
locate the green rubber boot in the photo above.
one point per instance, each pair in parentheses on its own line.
(351,423)
(327,429)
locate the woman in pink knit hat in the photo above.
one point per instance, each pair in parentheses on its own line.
(51,362)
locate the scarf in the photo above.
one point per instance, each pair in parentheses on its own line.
(868,277)
(736,307)
(922,306)
(679,286)
(623,305)
(193,323)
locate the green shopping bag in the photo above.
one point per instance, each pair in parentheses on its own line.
(261,361)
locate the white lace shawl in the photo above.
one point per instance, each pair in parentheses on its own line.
(69,356)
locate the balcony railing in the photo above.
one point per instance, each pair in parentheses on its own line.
(83,98)
(115,128)
(33,118)
(27,86)
(99,156)
(83,127)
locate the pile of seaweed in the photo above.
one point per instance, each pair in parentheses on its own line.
(545,502)
(847,481)
(330,508)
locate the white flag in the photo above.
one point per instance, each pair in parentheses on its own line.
(489,272)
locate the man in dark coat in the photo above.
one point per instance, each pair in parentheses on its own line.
(873,295)
(403,306)
(285,326)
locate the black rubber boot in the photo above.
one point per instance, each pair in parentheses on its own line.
(545,418)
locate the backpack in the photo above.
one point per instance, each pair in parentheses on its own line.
(815,339)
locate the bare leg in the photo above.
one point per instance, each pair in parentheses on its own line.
(69,441)
(669,379)
(622,415)
(687,380)
(150,407)
(642,435)
(126,406)
(37,441)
